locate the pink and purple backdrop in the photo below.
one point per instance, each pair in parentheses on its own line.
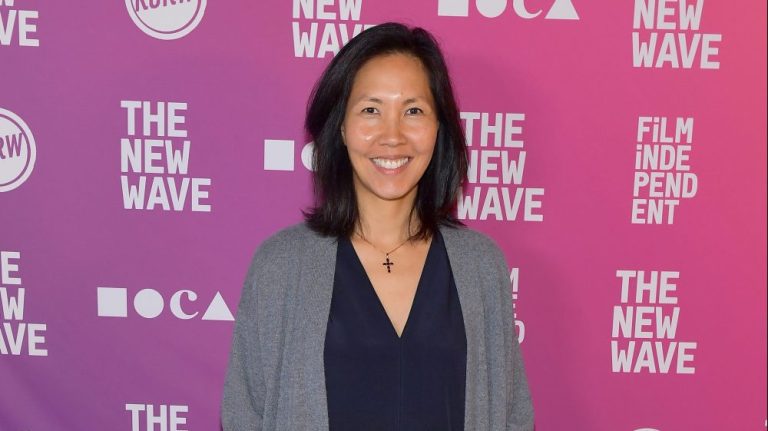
(113,315)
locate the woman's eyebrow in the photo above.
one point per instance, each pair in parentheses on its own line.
(365,98)
(410,100)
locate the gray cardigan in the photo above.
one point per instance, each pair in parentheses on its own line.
(276,379)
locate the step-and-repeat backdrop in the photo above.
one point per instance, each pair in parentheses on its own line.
(618,156)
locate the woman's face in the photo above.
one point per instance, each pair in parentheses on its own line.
(390,127)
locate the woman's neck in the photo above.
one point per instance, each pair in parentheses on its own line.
(387,223)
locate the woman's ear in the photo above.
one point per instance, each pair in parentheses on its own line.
(343,137)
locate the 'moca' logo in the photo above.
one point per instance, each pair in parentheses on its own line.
(17,151)
(149,303)
(166,19)
(560,9)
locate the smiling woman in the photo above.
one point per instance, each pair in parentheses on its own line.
(416,97)
(389,128)
(381,311)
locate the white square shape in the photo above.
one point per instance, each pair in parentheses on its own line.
(278,155)
(453,7)
(112,301)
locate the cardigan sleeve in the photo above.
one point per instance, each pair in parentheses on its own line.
(242,405)
(519,405)
(520,408)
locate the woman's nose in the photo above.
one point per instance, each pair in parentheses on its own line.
(392,133)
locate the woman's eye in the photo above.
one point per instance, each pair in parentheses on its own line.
(414,111)
(369,110)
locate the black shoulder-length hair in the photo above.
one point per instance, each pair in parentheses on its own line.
(335,212)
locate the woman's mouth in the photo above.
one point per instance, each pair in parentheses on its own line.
(390,164)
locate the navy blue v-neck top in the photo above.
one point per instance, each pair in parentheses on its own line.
(377,381)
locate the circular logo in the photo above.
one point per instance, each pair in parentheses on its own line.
(17,151)
(166,19)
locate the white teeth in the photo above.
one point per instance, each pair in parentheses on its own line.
(390,164)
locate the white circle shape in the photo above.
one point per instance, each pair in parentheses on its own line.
(148,303)
(17,151)
(491,8)
(166,19)
(306,155)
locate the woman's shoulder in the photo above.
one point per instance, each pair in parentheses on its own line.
(280,253)
(474,248)
(288,236)
(288,241)
(469,240)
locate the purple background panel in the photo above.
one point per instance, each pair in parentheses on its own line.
(237,72)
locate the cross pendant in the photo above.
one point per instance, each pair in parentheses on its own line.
(388,263)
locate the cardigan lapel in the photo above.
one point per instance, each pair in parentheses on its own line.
(318,263)
(465,274)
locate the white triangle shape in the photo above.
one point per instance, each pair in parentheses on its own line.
(562,9)
(218,310)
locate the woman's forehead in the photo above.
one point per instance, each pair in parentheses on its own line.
(394,76)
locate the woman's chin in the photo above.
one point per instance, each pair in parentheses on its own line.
(393,194)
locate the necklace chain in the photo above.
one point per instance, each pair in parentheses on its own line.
(387,262)
(378,249)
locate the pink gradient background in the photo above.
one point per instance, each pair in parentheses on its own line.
(575,83)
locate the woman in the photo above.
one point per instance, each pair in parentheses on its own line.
(380,312)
